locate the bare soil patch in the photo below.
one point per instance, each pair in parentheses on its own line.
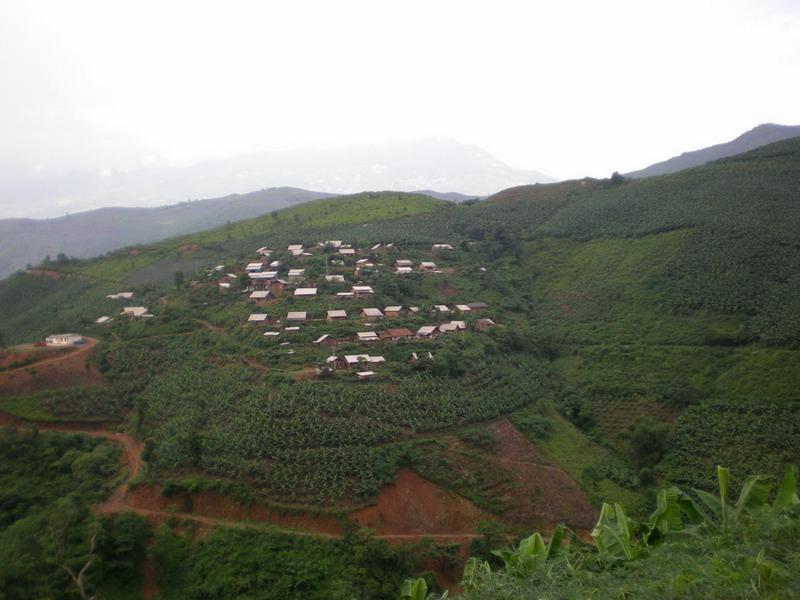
(413,506)
(65,369)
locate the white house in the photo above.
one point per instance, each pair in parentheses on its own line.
(135,312)
(336,315)
(371,313)
(254,267)
(64,339)
(441,247)
(306,292)
(361,291)
(103,320)
(367,336)
(258,318)
(297,316)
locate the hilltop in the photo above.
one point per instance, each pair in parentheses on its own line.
(762,135)
(550,348)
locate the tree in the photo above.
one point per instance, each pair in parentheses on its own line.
(648,441)
(178,277)
(617,178)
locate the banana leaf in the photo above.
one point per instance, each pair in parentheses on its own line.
(787,491)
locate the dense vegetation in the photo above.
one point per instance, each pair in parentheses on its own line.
(647,330)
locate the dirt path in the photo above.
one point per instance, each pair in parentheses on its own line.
(131,458)
(82,349)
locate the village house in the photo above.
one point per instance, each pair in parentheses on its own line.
(347,251)
(278,285)
(135,312)
(427,266)
(272,334)
(427,331)
(477,305)
(366,375)
(264,251)
(463,308)
(336,315)
(346,295)
(103,320)
(295,249)
(333,244)
(258,318)
(413,309)
(296,275)
(437,247)
(402,262)
(366,336)
(260,296)
(396,334)
(275,264)
(376,247)
(404,270)
(453,326)
(254,267)
(305,292)
(362,291)
(224,285)
(298,316)
(392,311)
(292,329)
(354,360)
(121,296)
(325,340)
(441,309)
(64,339)
(334,278)
(484,323)
(371,313)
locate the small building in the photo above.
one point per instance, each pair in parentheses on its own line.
(333,244)
(371,313)
(272,333)
(336,315)
(264,251)
(260,296)
(404,270)
(278,285)
(477,305)
(396,334)
(275,264)
(258,318)
(367,336)
(121,296)
(463,308)
(427,266)
(64,339)
(441,308)
(354,360)
(413,309)
(366,375)
(334,278)
(224,285)
(376,247)
(403,262)
(427,331)
(362,291)
(298,316)
(393,311)
(346,295)
(438,247)
(254,267)
(325,340)
(347,251)
(305,292)
(103,320)
(484,323)
(453,326)
(295,248)
(292,329)
(296,275)
(135,312)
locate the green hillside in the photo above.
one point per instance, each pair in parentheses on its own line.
(646,331)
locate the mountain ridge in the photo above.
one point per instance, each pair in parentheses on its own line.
(761,135)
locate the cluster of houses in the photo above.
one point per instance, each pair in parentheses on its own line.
(132,312)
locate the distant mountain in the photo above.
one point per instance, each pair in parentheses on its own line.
(449,196)
(95,232)
(401,166)
(755,138)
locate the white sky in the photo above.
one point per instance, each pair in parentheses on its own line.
(566,88)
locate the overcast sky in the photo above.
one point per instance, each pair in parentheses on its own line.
(566,88)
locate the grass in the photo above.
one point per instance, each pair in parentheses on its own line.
(584,460)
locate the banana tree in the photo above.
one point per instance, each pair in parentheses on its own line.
(532,554)
(474,571)
(417,589)
(614,534)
